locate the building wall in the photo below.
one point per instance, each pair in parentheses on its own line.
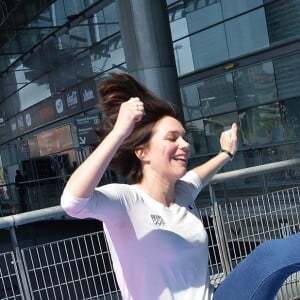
(237,61)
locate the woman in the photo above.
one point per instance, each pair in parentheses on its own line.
(157,242)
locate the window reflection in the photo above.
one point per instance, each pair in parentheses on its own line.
(204,135)
(34,92)
(247,33)
(261,125)
(216,95)
(232,8)
(214,126)
(102,56)
(283,20)
(202,14)
(287,70)
(196,137)
(290,118)
(111,19)
(183,56)
(177,21)
(64,76)
(209,47)
(190,102)
(255,85)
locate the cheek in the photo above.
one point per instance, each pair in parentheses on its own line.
(168,150)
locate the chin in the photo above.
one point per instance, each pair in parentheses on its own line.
(182,173)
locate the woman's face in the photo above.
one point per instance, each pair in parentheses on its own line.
(168,151)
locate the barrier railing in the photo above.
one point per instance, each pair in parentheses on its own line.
(80,267)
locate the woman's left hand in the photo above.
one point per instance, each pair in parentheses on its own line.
(229,139)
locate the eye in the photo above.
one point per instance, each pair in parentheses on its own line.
(171,139)
(185,137)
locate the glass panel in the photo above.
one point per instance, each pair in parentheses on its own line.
(36,65)
(216,95)
(28,38)
(111,19)
(209,47)
(80,37)
(202,14)
(45,22)
(247,33)
(190,102)
(196,137)
(177,21)
(183,56)
(283,20)
(107,54)
(232,7)
(64,76)
(290,118)
(169,2)
(116,50)
(72,7)
(287,70)
(283,178)
(261,125)
(11,106)
(83,66)
(255,85)
(34,92)
(214,126)
(97,27)
(58,12)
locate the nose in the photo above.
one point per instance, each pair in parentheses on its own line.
(184,144)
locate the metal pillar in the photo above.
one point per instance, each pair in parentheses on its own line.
(148,47)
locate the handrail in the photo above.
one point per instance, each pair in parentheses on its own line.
(48,213)
(257,170)
(56,212)
(36,180)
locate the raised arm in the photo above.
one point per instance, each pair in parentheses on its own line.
(86,177)
(228,143)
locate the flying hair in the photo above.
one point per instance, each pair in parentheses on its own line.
(113,91)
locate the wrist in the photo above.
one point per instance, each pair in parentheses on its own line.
(228,153)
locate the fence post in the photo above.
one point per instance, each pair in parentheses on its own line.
(20,264)
(219,231)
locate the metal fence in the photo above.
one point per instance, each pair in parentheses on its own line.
(81,267)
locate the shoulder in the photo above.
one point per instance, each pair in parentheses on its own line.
(189,183)
(114,188)
(117,191)
(191,178)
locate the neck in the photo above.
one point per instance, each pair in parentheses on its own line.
(159,190)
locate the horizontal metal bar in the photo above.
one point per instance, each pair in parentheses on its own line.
(254,171)
(57,212)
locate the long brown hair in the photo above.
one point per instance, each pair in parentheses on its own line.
(115,90)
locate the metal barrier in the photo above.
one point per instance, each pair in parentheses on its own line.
(81,268)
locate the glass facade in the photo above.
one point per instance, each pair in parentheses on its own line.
(230,72)
(48,94)
(237,61)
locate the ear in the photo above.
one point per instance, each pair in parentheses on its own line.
(141,153)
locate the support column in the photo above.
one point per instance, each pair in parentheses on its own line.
(148,48)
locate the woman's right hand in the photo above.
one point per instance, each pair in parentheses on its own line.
(131,112)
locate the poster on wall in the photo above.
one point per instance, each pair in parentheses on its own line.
(13,127)
(88,94)
(67,103)
(55,140)
(87,124)
(33,146)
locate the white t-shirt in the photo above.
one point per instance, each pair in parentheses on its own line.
(158,252)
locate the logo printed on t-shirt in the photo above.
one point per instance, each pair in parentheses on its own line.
(157,220)
(190,207)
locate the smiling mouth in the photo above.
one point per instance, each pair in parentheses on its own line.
(183,159)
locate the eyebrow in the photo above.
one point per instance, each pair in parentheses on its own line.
(176,132)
